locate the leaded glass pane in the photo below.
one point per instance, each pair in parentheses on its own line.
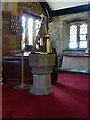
(73,44)
(83,29)
(23,21)
(23,36)
(73,29)
(30,30)
(82,37)
(23,40)
(78,36)
(37,26)
(23,31)
(23,24)
(73,37)
(83,44)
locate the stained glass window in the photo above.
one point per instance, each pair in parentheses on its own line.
(30,28)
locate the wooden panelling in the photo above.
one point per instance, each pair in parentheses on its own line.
(12,69)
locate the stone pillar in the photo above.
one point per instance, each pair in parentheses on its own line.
(41,65)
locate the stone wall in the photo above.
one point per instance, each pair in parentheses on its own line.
(8,39)
(12,41)
(33,8)
(58,30)
(59,37)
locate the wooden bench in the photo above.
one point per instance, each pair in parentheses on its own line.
(72,65)
(71,71)
(68,71)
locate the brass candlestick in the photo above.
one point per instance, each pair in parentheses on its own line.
(48,44)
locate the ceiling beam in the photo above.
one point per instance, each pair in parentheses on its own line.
(47,9)
(71,10)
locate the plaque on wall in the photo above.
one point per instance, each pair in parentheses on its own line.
(14,22)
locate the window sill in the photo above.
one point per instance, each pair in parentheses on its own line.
(75,49)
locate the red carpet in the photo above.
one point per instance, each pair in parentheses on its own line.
(69,100)
(0,101)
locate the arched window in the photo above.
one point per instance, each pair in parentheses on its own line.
(30,28)
(23,30)
(73,36)
(30,31)
(37,26)
(78,35)
(83,36)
